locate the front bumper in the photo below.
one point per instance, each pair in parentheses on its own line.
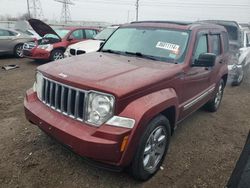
(101,144)
(37,54)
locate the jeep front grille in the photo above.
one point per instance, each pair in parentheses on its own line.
(64,99)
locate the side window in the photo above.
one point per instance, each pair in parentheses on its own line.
(216,44)
(90,33)
(202,46)
(225,41)
(78,34)
(4,33)
(248,39)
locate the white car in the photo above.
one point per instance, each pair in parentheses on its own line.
(91,45)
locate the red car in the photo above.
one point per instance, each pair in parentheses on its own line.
(54,42)
(120,105)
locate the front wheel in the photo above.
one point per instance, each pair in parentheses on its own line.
(56,55)
(213,104)
(239,78)
(151,149)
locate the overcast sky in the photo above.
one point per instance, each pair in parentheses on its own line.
(120,11)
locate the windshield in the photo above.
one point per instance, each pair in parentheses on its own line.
(232,32)
(160,44)
(104,34)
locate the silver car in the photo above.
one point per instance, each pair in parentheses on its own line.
(11,42)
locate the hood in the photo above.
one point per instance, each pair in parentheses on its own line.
(42,28)
(87,45)
(110,73)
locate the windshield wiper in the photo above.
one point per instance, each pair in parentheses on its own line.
(139,54)
(111,51)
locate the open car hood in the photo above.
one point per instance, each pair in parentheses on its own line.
(42,28)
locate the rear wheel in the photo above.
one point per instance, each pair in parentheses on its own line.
(151,149)
(56,55)
(213,105)
(18,50)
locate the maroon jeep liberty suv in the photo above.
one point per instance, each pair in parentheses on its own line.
(119,106)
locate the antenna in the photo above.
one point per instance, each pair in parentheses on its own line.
(65,14)
(35,9)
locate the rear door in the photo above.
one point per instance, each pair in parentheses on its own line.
(6,38)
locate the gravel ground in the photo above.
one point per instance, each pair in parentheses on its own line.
(203,150)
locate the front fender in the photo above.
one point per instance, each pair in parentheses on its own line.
(142,111)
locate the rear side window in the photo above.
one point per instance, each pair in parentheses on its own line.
(90,33)
(216,44)
(202,47)
(248,38)
(78,34)
(225,41)
(4,33)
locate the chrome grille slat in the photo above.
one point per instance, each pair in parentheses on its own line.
(56,97)
(69,102)
(62,99)
(65,99)
(77,104)
(46,91)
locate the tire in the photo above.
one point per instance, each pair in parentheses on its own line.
(239,78)
(214,104)
(56,54)
(140,168)
(18,51)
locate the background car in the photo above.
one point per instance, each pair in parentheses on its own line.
(90,45)
(11,42)
(54,42)
(239,46)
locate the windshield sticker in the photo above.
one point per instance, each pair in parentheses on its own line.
(168,46)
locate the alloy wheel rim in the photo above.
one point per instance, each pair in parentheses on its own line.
(19,51)
(154,149)
(58,56)
(240,77)
(219,96)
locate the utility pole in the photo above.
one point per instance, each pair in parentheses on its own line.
(28,7)
(65,14)
(137,9)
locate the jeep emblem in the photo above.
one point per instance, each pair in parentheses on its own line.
(63,75)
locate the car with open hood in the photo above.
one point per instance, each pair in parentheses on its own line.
(119,106)
(239,46)
(90,45)
(54,42)
(12,41)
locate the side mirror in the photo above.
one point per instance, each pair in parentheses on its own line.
(101,44)
(205,60)
(70,38)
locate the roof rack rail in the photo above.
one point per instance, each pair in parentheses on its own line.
(170,22)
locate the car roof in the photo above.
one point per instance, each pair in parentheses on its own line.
(175,25)
(74,28)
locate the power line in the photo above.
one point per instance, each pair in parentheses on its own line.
(65,13)
(35,9)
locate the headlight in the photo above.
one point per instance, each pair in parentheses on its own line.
(47,47)
(38,85)
(100,108)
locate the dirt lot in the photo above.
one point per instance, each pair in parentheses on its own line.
(203,151)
